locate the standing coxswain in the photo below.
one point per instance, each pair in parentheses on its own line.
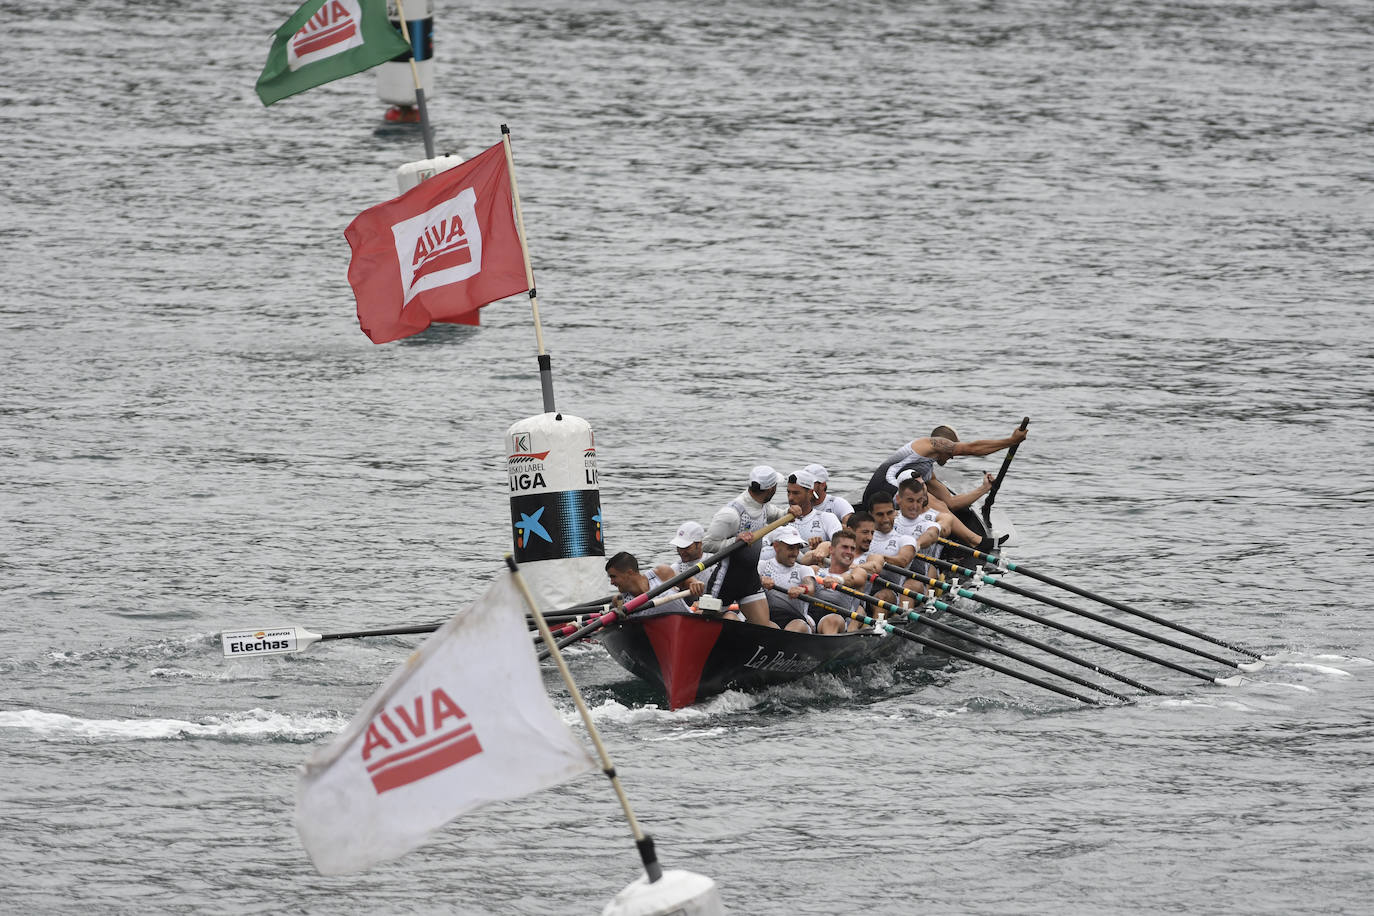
(924,455)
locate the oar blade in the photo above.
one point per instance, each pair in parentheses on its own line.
(1234,680)
(1250,666)
(251,643)
(1000,528)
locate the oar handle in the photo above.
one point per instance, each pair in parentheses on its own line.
(1001,473)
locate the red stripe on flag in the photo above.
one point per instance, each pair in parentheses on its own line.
(323,39)
(441,758)
(417,749)
(456,256)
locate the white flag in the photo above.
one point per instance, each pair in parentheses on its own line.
(465,722)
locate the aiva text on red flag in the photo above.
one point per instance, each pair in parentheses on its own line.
(439,252)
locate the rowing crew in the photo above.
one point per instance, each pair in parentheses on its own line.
(799,568)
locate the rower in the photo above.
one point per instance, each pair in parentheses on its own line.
(813,523)
(923,455)
(687,542)
(788,611)
(735,579)
(623,571)
(825,500)
(925,524)
(844,569)
(887,544)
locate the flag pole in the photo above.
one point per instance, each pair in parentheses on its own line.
(545,366)
(426,129)
(642,839)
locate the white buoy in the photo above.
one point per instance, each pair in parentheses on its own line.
(395,83)
(555,507)
(677,892)
(412,173)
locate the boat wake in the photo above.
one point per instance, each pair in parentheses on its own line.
(255,725)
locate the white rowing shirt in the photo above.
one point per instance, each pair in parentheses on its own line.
(817,523)
(785,576)
(890,544)
(743,513)
(915,527)
(681,566)
(837,506)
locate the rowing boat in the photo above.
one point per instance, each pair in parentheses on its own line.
(691,657)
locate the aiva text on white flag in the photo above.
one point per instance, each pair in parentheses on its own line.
(464,722)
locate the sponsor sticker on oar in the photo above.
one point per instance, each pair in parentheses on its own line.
(280,641)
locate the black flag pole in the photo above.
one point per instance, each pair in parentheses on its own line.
(545,365)
(426,129)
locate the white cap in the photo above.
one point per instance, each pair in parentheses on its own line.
(906,475)
(764,476)
(688,534)
(804,478)
(788,535)
(819,472)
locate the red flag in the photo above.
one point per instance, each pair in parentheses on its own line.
(439,252)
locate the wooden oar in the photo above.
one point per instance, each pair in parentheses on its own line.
(998,628)
(1054,602)
(956,653)
(976,640)
(997,483)
(1082,634)
(640,601)
(1008,566)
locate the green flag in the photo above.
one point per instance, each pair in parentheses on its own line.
(327,40)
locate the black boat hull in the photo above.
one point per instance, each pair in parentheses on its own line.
(691,657)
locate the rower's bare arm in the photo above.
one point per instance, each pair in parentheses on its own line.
(987,446)
(857,576)
(905,556)
(964,500)
(940,494)
(960,530)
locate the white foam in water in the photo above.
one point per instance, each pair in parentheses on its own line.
(1204,704)
(1320,669)
(1346,659)
(614,712)
(253,724)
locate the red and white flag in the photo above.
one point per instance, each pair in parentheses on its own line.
(439,252)
(464,722)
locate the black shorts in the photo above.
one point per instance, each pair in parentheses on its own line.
(782,610)
(741,576)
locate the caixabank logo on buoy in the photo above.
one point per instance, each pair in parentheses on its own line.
(417,738)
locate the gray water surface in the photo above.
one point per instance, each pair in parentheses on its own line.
(760,234)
